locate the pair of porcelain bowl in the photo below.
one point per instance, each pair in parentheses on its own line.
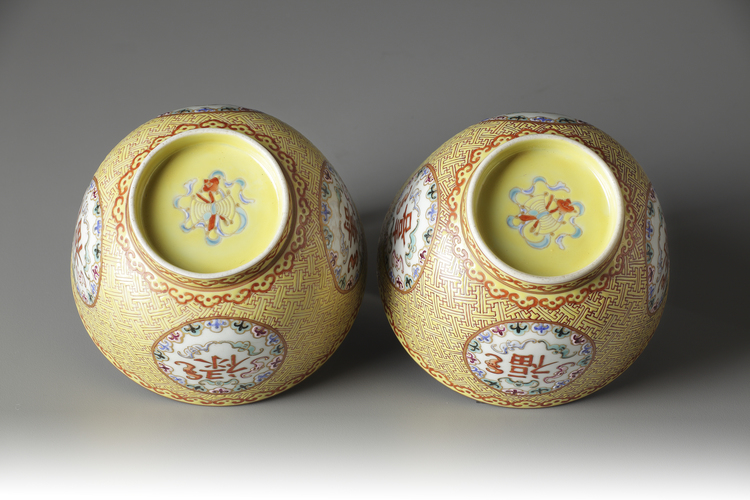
(218,259)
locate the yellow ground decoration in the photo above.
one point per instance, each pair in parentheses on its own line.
(209,204)
(544,208)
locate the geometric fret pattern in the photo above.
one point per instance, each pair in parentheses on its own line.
(292,291)
(461,293)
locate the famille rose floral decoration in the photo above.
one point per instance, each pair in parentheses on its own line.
(525,262)
(542,216)
(218,258)
(87,246)
(213,207)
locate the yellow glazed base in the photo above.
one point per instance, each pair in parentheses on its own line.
(545,207)
(210,202)
(217,338)
(486,331)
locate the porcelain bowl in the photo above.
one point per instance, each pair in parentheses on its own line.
(525,263)
(218,258)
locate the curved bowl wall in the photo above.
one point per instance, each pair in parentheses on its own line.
(506,336)
(219,338)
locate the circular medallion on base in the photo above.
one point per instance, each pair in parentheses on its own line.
(209,203)
(527,358)
(545,209)
(220,355)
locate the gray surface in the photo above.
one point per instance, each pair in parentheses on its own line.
(377,86)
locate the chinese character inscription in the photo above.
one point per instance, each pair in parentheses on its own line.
(220,355)
(527,358)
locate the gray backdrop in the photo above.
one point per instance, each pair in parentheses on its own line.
(377,86)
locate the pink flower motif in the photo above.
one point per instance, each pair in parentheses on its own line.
(259,331)
(174,336)
(164,368)
(514,392)
(471,358)
(219,390)
(498,330)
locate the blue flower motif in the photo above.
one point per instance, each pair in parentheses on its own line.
(326,212)
(559,384)
(260,378)
(217,325)
(432,213)
(649,229)
(98,227)
(542,119)
(485,336)
(586,349)
(272,339)
(541,328)
(477,371)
